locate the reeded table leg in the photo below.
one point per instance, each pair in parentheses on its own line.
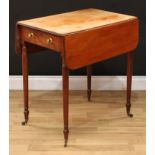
(65,74)
(25,82)
(129,83)
(89,73)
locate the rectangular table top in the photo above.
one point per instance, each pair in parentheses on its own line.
(75,21)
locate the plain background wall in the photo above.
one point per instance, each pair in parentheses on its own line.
(48,62)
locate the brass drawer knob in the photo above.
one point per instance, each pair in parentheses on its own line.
(50,41)
(31,34)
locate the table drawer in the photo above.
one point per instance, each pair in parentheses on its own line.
(41,38)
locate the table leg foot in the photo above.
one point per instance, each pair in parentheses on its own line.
(128,107)
(26,114)
(66,132)
(24,123)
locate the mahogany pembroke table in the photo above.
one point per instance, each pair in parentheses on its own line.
(82,38)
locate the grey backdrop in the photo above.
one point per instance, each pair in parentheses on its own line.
(49,63)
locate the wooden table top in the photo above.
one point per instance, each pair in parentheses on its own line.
(75,21)
(85,36)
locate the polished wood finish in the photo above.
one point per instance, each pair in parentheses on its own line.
(103,39)
(76,21)
(65,74)
(99,128)
(82,37)
(129,82)
(99,44)
(25,82)
(42,39)
(89,73)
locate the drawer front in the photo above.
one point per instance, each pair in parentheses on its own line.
(42,39)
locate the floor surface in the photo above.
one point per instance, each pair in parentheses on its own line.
(99,127)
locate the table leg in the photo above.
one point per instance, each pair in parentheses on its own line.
(89,73)
(129,82)
(25,82)
(65,74)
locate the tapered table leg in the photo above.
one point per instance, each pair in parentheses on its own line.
(89,73)
(65,74)
(25,82)
(129,82)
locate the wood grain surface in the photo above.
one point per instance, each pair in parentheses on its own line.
(75,21)
(89,47)
(99,127)
(84,36)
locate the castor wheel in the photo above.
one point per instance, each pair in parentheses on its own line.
(130,115)
(24,123)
